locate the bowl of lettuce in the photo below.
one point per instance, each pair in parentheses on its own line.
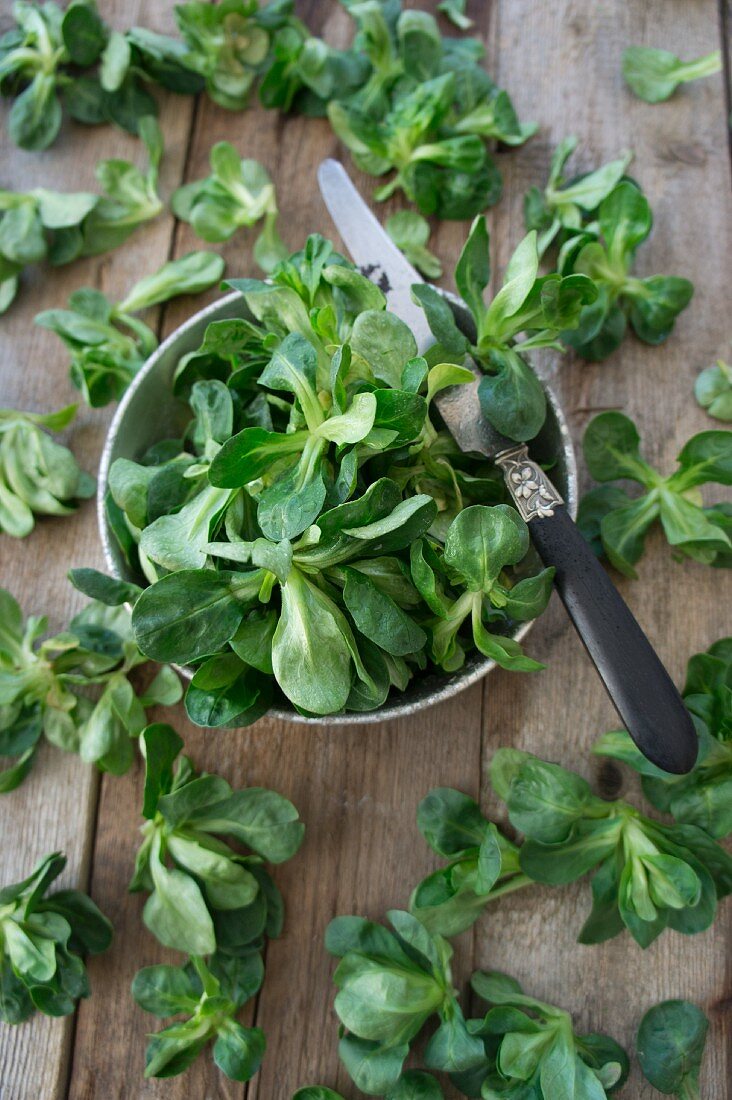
(298,531)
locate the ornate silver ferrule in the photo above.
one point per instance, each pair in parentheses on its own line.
(532,491)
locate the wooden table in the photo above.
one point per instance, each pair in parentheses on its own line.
(357,788)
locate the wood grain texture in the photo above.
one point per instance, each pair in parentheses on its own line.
(573,52)
(725,30)
(357,788)
(115,1068)
(55,808)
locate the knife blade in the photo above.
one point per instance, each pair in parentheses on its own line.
(381,261)
(636,680)
(373,249)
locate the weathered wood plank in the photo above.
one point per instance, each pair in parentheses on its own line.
(561,63)
(358,790)
(109,1052)
(55,807)
(290,148)
(725,30)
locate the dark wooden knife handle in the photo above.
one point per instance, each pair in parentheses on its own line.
(638,684)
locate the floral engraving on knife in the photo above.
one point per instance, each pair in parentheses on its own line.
(532,491)
(377,275)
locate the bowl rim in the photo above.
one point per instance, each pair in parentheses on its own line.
(455,682)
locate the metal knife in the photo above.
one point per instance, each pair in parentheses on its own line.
(638,684)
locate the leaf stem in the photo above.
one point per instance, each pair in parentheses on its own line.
(702,66)
(689,1088)
(516,882)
